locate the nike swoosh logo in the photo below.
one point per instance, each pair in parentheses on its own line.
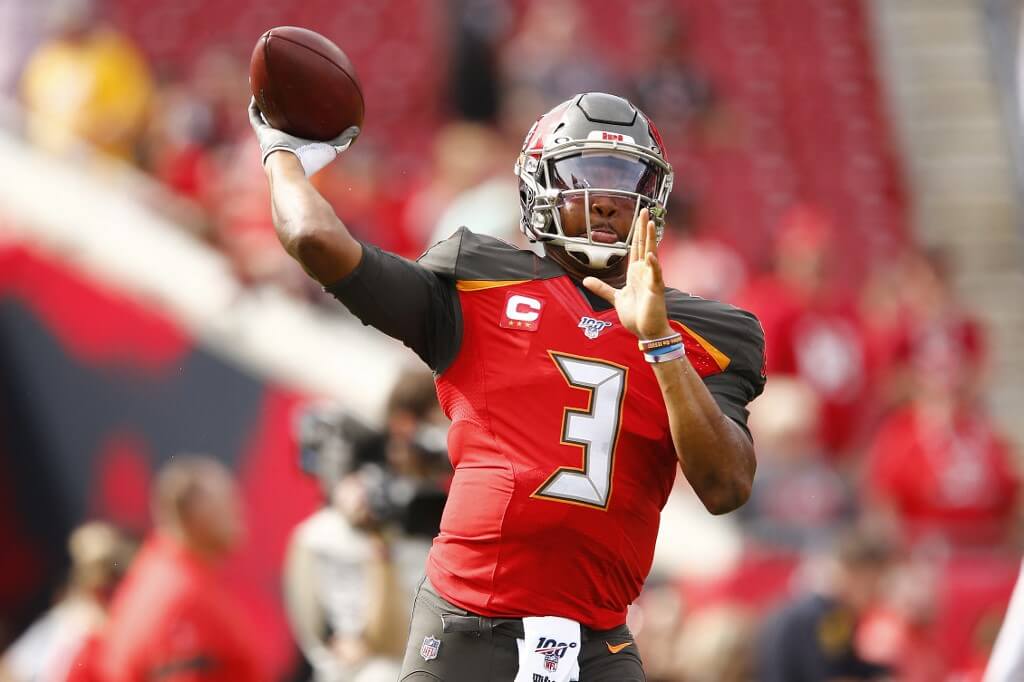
(616,648)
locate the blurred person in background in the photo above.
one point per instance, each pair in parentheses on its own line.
(86,84)
(940,468)
(814,637)
(933,326)
(413,444)
(490,203)
(347,611)
(813,330)
(901,631)
(172,617)
(799,499)
(192,132)
(656,618)
(353,566)
(670,86)
(100,554)
(465,155)
(716,644)
(551,54)
(712,644)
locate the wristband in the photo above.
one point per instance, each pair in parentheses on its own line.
(664,349)
(666,353)
(646,345)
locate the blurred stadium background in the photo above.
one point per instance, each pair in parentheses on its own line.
(847,169)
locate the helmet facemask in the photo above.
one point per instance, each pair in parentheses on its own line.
(581,172)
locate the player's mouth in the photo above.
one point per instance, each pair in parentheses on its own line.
(603,234)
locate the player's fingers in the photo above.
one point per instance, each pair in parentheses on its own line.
(654,266)
(641,230)
(347,137)
(634,244)
(255,115)
(651,238)
(602,289)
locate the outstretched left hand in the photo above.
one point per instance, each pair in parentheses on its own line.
(640,303)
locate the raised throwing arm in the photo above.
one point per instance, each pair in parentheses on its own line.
(306,224)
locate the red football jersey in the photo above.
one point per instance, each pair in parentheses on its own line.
(560,438)
(171,619)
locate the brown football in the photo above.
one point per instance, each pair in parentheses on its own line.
(304,84)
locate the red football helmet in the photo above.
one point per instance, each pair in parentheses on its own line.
(593,144)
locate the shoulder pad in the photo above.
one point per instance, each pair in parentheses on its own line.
(467,256)
(730,334)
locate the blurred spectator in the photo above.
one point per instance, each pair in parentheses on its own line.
(551,57)
(491,207)
(177,141)
(930,328)
(717,645)
(713,644)
(669,86)
(242,227)
(410,455)
(812,330)
(100,554)
(465,154)
(220,80)
(172,618)
(353,566)
(491,204)
(347,610)
(656,620)
(799,499)
(813,638)
(475,82)
(86,83)
(940,467)
(901,631)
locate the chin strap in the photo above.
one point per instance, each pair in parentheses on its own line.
(594,257)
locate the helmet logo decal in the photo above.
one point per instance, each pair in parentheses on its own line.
(606,136)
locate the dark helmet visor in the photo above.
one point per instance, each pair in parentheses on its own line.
(597,171)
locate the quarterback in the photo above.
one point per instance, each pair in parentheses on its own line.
(577,385)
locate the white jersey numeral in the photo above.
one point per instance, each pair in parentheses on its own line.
(595,429)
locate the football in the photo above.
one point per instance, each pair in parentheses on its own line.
(304,84)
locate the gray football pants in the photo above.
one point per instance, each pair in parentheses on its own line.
(477,649)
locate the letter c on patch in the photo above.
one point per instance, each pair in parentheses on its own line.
(522,308)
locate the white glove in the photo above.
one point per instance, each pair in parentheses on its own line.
(312,155)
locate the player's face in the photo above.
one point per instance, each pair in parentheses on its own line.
(611,215)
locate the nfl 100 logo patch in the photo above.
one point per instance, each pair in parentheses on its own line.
(429,648)
(552,651)
(592,327)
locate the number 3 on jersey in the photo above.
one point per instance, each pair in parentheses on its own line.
(595,429)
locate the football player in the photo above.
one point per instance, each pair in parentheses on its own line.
(577,385)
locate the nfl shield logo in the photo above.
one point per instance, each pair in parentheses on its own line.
(429,648)
(551,661)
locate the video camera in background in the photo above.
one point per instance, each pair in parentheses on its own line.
(334,443)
